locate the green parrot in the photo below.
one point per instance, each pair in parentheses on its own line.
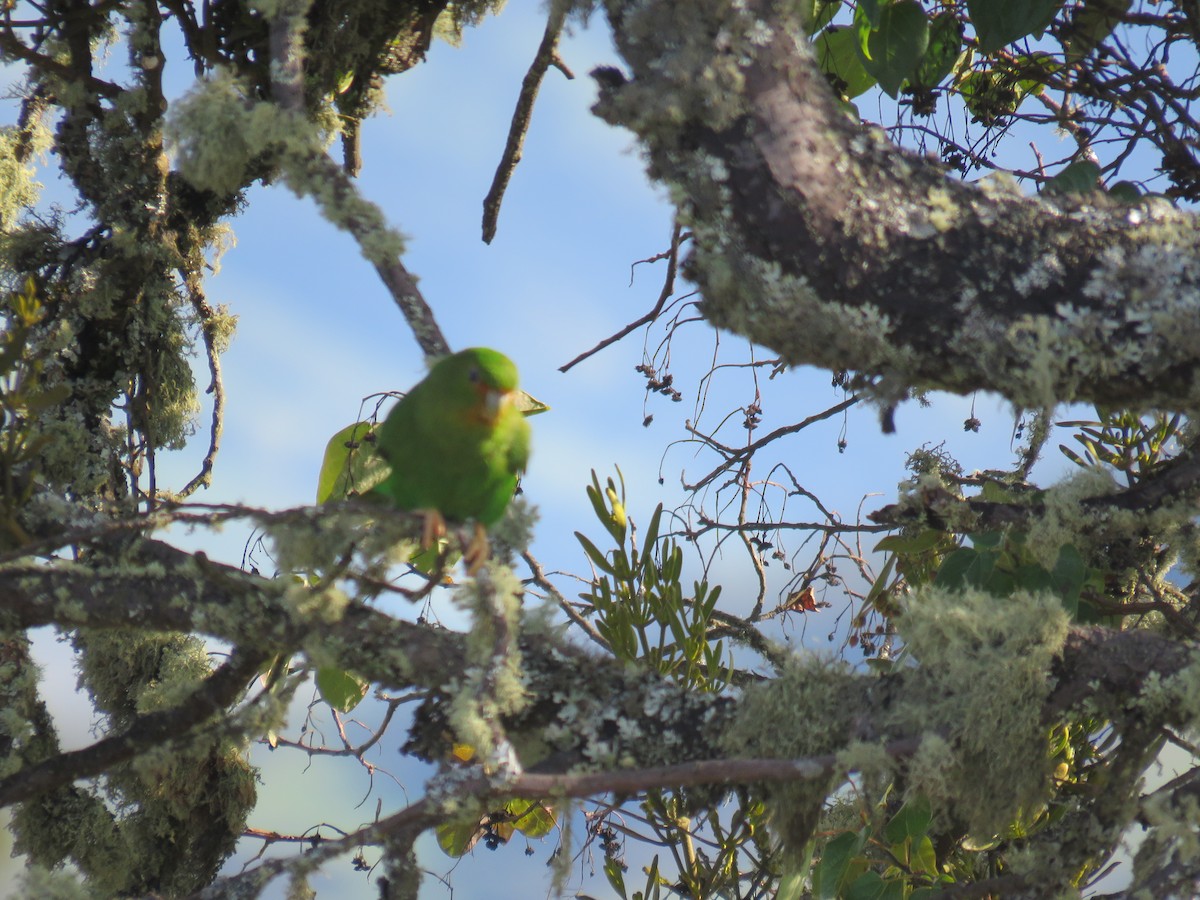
(456,443)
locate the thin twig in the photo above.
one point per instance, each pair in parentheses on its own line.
(341,203)
(668,289)
(547,56)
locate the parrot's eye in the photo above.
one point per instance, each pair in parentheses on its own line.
(473,375)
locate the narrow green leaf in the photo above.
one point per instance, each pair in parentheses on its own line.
(594,554)
(651,535)
(615,876)
(904,544)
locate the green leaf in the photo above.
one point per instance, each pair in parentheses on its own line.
(894,49)
(910,821)
(651,535)
(1080,177)
(456,838)
(531,817)
(838,56)
(1000,22)
(923,858)
(615,876)
(870,886)
(1125,192)
(350,464)
(953,571)
(594,554)
(819,13)
(341,689)
(831,872)
(945,41)
(905,545)
(1092,23)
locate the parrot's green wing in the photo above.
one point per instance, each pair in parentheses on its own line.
(457,441)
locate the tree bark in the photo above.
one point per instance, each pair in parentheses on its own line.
(816,237)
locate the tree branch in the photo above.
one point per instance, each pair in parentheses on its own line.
(816,237)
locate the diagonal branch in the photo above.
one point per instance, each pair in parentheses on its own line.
(546,56)
(149,731)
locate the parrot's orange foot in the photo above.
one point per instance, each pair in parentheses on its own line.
(477,551)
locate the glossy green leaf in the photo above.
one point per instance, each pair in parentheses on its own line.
(894,49)
(1000,22)
(839,58)
(350,465)
(341,689)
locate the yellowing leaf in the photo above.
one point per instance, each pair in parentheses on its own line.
(351,464)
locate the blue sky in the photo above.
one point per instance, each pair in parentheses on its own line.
(318,332)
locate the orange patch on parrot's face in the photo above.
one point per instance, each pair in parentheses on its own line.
(491,403)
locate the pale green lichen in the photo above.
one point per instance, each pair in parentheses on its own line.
(493,685)
(18,189)
(40,883)
(979,689)
(1064,520)
(792,716)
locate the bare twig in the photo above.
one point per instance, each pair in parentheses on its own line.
(340,200)
(547,56)
(668,288)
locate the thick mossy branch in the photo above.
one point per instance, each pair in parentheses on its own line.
(814,236)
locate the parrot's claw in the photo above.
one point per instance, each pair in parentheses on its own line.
(434,529)
(477,551)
